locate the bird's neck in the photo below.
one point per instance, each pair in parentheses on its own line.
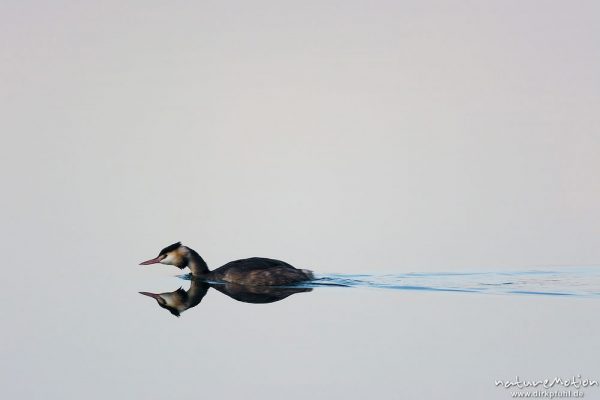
(196,264)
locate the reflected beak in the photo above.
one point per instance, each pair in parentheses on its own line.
(153,295)
(152,261)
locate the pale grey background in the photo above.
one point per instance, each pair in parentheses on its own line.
(346,136)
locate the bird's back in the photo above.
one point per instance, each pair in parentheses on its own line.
(259,271)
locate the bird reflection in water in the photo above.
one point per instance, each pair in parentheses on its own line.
(180,300)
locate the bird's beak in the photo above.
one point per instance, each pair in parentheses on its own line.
(153,295)
(152,261)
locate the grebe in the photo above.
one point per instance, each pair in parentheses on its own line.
(255,271)
(180,300)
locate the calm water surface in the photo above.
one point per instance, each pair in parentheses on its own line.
(342,336)
(372,139)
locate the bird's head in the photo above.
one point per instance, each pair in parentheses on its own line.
(175,254)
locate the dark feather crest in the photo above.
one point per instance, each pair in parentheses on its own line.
(170,248)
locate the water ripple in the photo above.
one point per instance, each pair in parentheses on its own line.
(565,281)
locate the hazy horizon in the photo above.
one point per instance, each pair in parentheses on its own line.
(342,135)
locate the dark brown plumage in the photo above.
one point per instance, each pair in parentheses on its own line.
(170,248)
(255,271)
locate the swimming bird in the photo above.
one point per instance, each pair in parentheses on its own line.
(255,271)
